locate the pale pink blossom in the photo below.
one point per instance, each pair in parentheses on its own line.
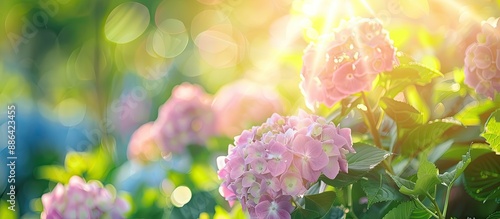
(186,118)
(243,103)
(346,61)
(271,163)
(142,146)
(482,60)
(79,199)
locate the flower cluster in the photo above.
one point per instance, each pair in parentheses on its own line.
(82,200)
(142,146)
(346,61)
(482,60)
(271,163)
(236,106)
(186,118)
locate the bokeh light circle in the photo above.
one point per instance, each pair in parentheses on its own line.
(181,196)
(71,112)
(126,22)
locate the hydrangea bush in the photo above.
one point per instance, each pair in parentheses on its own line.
(270,164)
(79,199)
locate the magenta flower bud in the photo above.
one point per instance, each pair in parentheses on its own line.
(79,199)
(271,163)
(186,118)
(482,60)
(346,61)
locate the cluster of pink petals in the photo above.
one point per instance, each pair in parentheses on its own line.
(482,60)
(186,118)
(346,61)
(82,200)
(242,104)
(142,146)
(282,158)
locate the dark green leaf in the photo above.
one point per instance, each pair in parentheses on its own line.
(301,213)
(334,213)
(366,157)
(425,136)
(379,191)
(482,177)
(343,179)
(448,178)
(427,178)
(405,115)
(320,203)
(495,215)
(492,131)
(407,210)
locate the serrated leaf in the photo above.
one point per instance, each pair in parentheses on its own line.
(495,215)
(379,191)
(427,178)
(400,182)
(320,203)
(448,178)
(492,131)
(407,210)
(405,115)
(366,157)
(425,136)
(416,72)
(482,177)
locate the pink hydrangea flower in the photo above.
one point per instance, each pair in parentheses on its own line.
(142,146)
(235,106)
(346,61)
(79,199)
(482,60)
(281,159)
(186,118)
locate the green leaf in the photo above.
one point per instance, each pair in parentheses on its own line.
(427,178)
(415,72)
(334,213)
(366,157)
(448,178)
(471,114)
(482,177)
(495,215)
(405,115)
(343,179)
(407,210)
(492,131)
(301,213)
(379,191)
(400,182)
(320,203)
(425,136)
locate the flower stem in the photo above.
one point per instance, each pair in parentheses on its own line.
(349,201)
(372,125)
(448,190)
(435,205)
(425,208)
